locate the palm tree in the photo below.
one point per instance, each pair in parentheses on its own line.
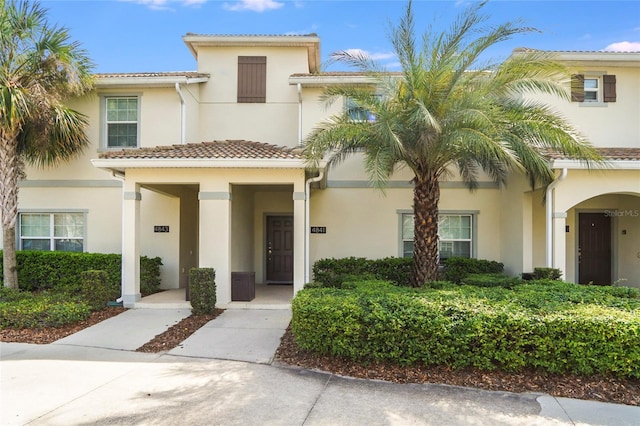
(440,115)
(39,68)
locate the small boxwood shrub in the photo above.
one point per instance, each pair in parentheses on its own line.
(547,273)
(456,268)
(333,272)
(202,288)
(95,289)
(549,325)
(47,270)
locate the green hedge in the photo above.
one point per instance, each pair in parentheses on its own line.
(334,272)
(549,325)
(21,309)
(45,270)
(456,268)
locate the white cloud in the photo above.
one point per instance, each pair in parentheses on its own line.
(253,5)
(376,56)
(624,46)
(164,4)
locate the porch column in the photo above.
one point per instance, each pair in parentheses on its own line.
(215,239)
(131,244)
(299,233)
(560,242)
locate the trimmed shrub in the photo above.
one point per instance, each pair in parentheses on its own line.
(41,311)
(456,268)
(548,325)
(95,289)
(202,288)
(546,273)
(334,272)
(490,280)
(46,270)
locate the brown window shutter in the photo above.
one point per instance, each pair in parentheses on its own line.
(252,79)
(577,88)
(609,88)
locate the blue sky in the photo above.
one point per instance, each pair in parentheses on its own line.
(146,35)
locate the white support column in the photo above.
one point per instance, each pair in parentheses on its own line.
(299,234)
(215,239)
(131,244)
(560,242)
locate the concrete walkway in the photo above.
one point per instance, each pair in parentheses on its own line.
(222,375)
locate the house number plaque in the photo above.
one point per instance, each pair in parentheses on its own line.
(318,229)
(161,228)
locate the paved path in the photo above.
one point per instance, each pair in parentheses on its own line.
(216,377)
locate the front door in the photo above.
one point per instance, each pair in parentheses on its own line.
(594,248)
(280,249)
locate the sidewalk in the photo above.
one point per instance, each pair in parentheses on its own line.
(222,375)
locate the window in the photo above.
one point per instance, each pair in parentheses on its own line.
(121,122)
(52,231)
(455,234)
(593,88)
(358,113)
(252,79)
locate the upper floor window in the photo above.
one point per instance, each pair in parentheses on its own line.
(455,232)
(252,79)
(121,121)
(358,113)
(593,88)
(52,231)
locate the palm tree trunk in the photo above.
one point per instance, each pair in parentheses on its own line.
(9,172)
(426,196)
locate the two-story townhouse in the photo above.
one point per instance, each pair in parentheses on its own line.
(205,169)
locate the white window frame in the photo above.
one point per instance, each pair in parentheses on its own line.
(104,134)
(473,214)
(596,90)
(52,238)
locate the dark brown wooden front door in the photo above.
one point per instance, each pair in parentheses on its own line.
(594,248)
(279,249)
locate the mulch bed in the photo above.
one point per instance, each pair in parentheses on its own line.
(45,335)
(598,388)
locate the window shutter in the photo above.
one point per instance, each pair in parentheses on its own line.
(609,88)
(252,79)
(577,88)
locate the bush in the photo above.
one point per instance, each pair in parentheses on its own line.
(546,273)
(95,289)
(456,268)
(41,311)
(334,272)
(490,280)
(46,270)
(202,288)
(549,325)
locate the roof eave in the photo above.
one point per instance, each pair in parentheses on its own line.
(128,81)
(330,80)
(121,164)
(609,164)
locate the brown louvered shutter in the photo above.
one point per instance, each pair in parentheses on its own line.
(252,79)
(609,88)
(577,88)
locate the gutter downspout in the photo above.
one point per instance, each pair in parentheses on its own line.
(120,177)
(183,116)
(550,206)
(307,232)
(300,115)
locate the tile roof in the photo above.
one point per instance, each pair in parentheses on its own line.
(187,74)
(228,149)
(615,154)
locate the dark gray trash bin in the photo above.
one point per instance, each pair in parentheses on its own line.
(243,286)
